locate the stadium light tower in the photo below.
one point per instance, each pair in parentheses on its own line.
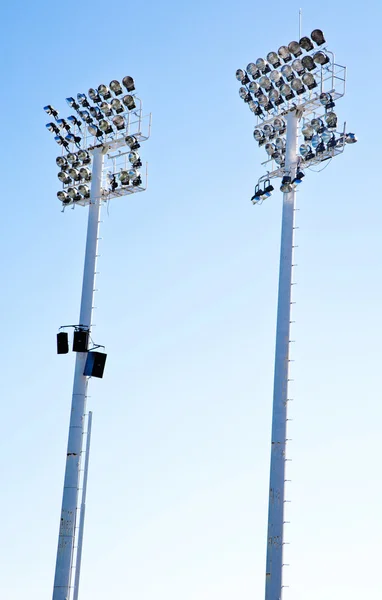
(292,93)
(99,148)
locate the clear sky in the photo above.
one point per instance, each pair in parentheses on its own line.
(178,484)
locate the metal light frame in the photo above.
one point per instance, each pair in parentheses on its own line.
(331,79)
(108,154)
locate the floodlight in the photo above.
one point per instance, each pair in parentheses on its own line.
(85,116)
(273,59)
(133,173)
(63,196)
(93,130)
(317,124)
(132,141)
(85,174)
(268,131)
(51,111)
(62,162)
(286,91)
(299,177)
(242,76)
(116,105)
(135,159)
(74,174)
(280,144)
(332,142)
(298,66)
(129,101)
(286,184)
(287,72)
(254,106)
(105,107)
(278,124)
(60,141)
(73,193)
(318,37)
(84,190)
(84,156)
(253,87)
(276,78)
(320,58)
(115,87)
(268,189)
(308,63)
(263,100)
(93,95)
(119,122)
(96,113)
(305,150)
(320,148)
(72,158)
(63,124)
(105,126)
(326,100)
(73,139)
(306,44)
(74,121)
(258,134)
(243,92)
(315,140)
(82,99)
(309,81)
(326,135)
(123,176)
(104,91)
(284,53)
(270,148)
(71,101)
(262,65)
(63,177)
(52,127)
(265,83)
(128,82)
(253,71)
(298,86)
(350,138)
(275,97)
(331,120)
(279,158)
(294,48)
(307,131)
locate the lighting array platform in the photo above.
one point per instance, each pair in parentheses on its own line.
(106,117)
(301,77)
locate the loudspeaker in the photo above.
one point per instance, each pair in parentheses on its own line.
(95,364)
(80,341)
(62,343)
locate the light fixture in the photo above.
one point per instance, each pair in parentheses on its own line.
(62,162)
(252,86)
(270,149)
(273,59)
(308,63)
(276,78)
(93,130)
(269,132)
(105,126)
(72,158)
(280,144)
(63,124)
(93,95)
(96,113)
(306,44)
(298,66)
(242,76)
(82,99)
(262,65)
(243,92)
(286,91)
(73,193)
(63,177)
(294,48)
(74,174)
(73,139)
(350,138)
(52,127)
(74,121)
(318,37)
(306,151)
(63,196)
(309,81)
(61,141)
(287,72)
(326,100)
(129,84)
(72,103)
(315,140)
(284,53)
(279,124)
(331,120)
(84,190)
(298,86)
(84,156)
(252,70)
(279,158)
(332,143)
(115,87)
(85,116)
(275,97)
(105,107)
(307,131)
(320,148)
(317,124)
(133,174)
(265,83)
(135,159)
(258,134)
(123,176)
(129,102)
(132,142)
(85,174)
(299,177)
(286,184)
(116,105)
(254,107)
(320,58)
(104,91)
(51,111)
(326,135)
(119,122)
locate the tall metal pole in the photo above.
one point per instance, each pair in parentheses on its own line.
(67,529)
(273,585)
(83,509)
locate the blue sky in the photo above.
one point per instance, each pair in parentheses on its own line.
(177,495)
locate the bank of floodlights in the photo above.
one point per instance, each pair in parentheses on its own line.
(108,116)
(301,76)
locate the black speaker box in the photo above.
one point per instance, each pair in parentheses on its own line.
(80,341)
(62,343)
(95,364)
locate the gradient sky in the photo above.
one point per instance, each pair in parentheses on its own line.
(178,483)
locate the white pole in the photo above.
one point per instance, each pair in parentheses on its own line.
(83,509)
(275,538)
(67,530)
